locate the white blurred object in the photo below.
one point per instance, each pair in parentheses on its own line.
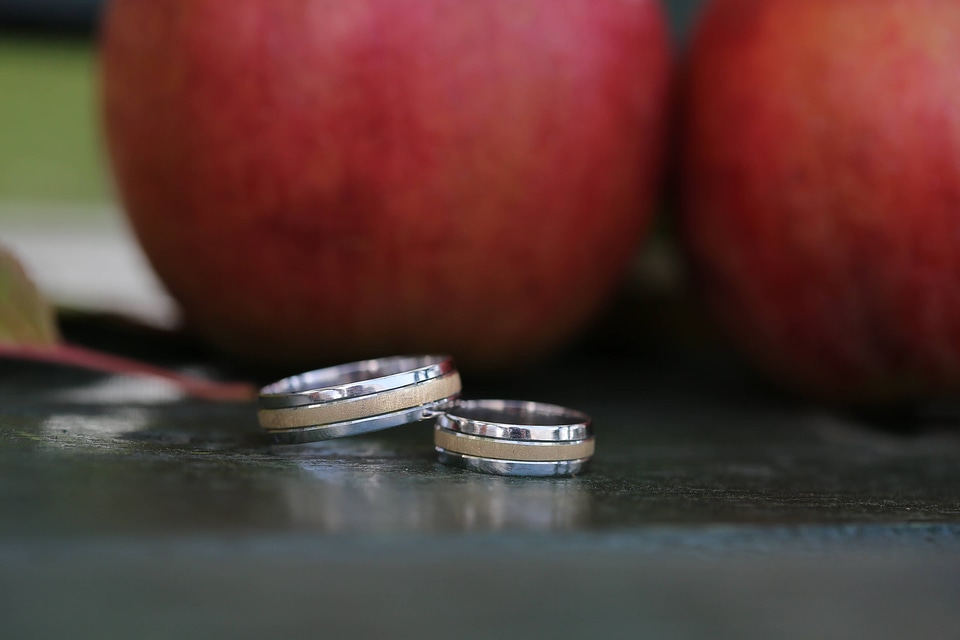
(87,260)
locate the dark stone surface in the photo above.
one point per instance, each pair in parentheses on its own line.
(713,509)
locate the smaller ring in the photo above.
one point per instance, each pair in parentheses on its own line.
(514,438)
(517,420)
(514,450)
(510,467)
(352,380)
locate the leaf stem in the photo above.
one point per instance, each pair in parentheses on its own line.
(74,356)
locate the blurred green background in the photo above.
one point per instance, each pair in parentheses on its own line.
(49,138)
(50,149)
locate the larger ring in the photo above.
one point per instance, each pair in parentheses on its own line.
(352,380)
(359,397)
(509,437)
(357,427)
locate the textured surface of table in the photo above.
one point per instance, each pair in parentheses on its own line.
(711,510)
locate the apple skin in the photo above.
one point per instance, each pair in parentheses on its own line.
(821,190)
(324,180)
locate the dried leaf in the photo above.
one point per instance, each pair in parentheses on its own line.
(28,331)
(26,318)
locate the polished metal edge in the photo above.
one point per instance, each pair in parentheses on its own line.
(307,435)
(360,407)
(510,467)
(339,382)
(570,424)
(515,450)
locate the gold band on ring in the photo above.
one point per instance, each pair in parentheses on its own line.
(512,450)
(361,407)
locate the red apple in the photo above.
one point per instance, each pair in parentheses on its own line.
(821,179)
(320,180)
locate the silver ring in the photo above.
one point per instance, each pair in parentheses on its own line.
(356,427)
(509,437)
(360,397)
(516,450)
(352,380)
(517,420)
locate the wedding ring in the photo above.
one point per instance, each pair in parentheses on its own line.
(509,437)
(358,397)
(352,380)
(356,427)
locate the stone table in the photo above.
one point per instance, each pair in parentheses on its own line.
(714,507)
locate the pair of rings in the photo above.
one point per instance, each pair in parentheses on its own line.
(504,437)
